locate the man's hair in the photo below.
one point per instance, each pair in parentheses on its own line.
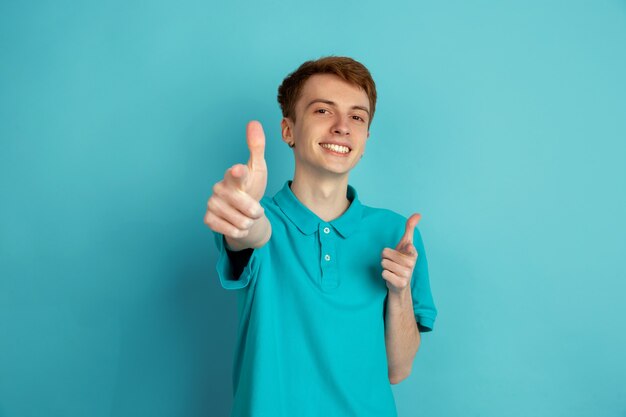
(345,68)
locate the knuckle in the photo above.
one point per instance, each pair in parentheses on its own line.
(211,203)
(252,209)
(217,187)
(256,210)
(232,232)
(216,205)
(209,220)
(245,224)
(234,202)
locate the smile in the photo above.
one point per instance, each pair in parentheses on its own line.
(335,148)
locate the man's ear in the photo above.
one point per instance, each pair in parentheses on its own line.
(286,128)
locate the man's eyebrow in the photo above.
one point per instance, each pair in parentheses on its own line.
(332,103)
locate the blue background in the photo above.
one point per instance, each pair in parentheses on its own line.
(503,123)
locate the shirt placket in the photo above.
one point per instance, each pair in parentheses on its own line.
(328,257)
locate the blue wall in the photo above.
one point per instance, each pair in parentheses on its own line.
(503,123)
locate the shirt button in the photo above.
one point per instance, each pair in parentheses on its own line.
(327,257)
(326,230)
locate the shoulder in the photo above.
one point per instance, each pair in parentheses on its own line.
(386,216)
(391,222)
(382,224)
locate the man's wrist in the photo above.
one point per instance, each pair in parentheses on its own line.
(401,298)
(258,236)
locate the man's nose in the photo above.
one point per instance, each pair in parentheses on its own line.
(341,126)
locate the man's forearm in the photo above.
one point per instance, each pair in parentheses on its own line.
(402,337)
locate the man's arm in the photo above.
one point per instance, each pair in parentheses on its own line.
(402,337)
(234,209)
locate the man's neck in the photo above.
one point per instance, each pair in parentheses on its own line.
(324,196)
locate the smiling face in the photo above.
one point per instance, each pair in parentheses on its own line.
(331,127)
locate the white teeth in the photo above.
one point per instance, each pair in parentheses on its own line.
(336,148)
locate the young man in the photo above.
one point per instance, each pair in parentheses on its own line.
(333,294)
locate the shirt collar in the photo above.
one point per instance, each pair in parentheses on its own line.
(308,222)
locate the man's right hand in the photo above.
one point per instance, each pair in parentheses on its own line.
(234,210)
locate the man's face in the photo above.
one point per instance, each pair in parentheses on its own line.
(331,128)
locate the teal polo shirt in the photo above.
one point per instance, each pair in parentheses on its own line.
(311,335)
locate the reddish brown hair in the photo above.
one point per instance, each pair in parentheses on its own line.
(345,68)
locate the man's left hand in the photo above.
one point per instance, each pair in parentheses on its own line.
(398,263)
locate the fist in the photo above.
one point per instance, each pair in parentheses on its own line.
(233,208)
(398,263)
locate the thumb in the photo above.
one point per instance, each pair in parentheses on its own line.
(406,243)
(255,137)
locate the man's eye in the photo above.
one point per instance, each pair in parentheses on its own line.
(358,118)
(321,111)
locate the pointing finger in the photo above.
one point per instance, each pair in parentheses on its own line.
(236,176)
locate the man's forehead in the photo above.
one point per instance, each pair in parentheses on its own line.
(332,88)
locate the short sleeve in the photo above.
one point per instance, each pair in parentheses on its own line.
(423,303)
(225,268)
